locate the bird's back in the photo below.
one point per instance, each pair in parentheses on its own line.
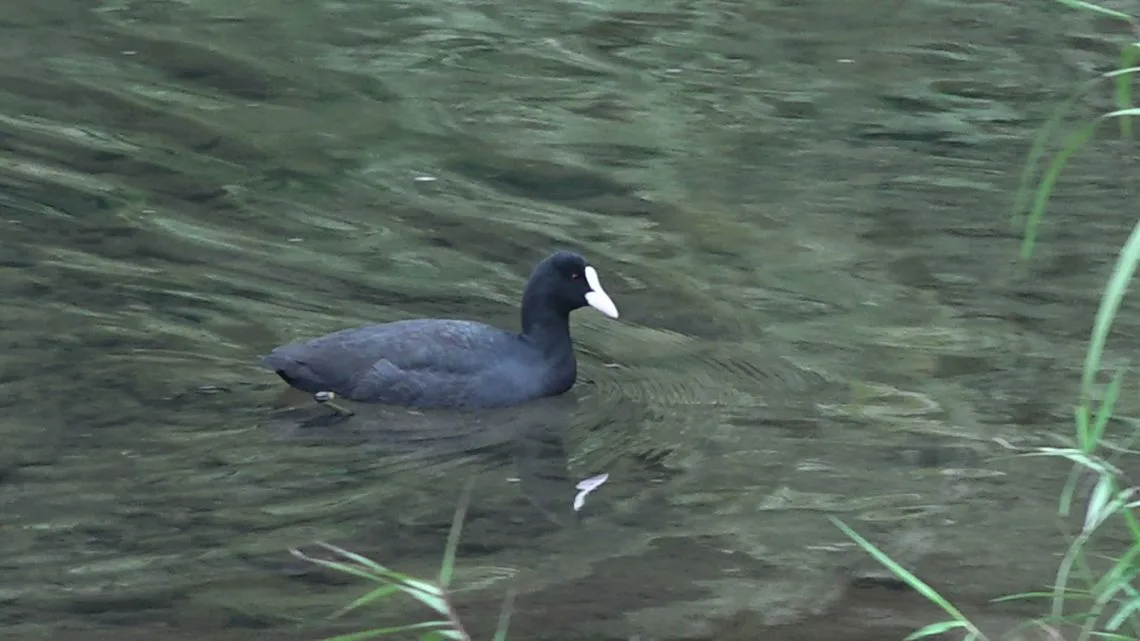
(418,363)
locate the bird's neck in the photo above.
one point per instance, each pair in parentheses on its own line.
(547,328)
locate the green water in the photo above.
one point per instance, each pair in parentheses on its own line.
(801,209)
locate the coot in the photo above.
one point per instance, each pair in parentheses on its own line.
(441,363)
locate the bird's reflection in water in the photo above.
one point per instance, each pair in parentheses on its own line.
(529,436)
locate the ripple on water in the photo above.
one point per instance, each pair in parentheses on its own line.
(670,369)
(659,394)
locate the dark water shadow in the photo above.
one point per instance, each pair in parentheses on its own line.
(530,438)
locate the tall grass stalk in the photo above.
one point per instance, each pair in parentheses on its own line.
(435,595)
(1107,604)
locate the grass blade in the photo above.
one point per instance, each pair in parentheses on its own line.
(1091,439)
(1073,142)
(383,632)
(416,586)
(437,602)
(1023,596)
(1104,11)
(1129,56)
(505,617)
(933,629)
(1126,612)
(346,568)
(1118,282)
(1037,151)
(1024,194)
(436,635)
(353,556)
(378,593)
(1061,591)
(1065,505)
(448,565)
(917,584)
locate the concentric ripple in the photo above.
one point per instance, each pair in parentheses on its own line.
(655,391)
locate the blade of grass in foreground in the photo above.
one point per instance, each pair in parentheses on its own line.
(1114,292)
(1036,152)
(1090,435)
(382,632)
(434,596)
(505,617)
(1037,199)
(1073,142)
(958,620)
(1104,11)
(1129,56)
(449,552)
(392,581)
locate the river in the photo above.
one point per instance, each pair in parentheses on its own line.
(802,210)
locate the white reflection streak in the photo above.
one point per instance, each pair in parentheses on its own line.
(587,486)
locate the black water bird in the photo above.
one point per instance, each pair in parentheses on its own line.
(460,364)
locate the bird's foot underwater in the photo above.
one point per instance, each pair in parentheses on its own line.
(326,399)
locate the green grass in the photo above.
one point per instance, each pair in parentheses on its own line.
(1093,596)
(434,595)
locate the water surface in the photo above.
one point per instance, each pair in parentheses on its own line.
(801,209)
